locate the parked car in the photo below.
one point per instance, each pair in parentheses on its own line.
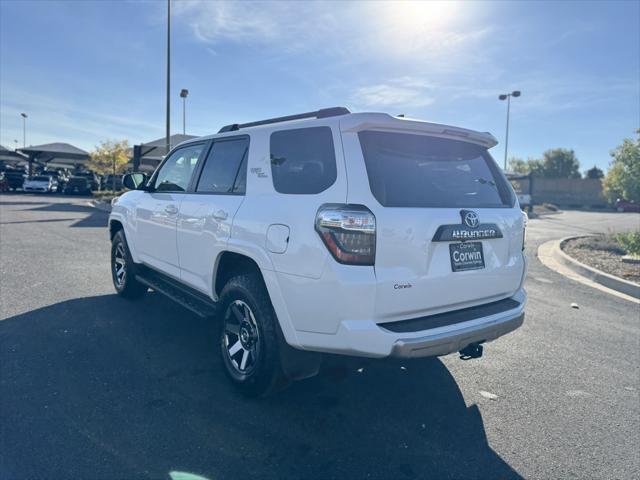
(59,176)
(15,178)
(92,178)
(346,233)
(40,183)
(626,206)
(78,185)
(107,182)
(4,184)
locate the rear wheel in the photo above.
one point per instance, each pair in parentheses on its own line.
(248,341)
(123,269)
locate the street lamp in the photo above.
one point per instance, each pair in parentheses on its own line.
(24,129)
(168,129)
(183,94)
(507,97)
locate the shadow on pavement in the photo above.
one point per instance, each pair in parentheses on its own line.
(94,218)
(104,388)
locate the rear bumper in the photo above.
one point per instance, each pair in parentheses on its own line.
(368,339)
(445,343)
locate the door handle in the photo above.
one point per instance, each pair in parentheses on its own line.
(220,215)
(171,209)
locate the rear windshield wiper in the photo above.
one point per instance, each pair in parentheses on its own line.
(484,181)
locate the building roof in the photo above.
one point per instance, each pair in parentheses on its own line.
(56,150)
(173,140)
(154,151)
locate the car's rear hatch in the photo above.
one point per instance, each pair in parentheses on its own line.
(448,231)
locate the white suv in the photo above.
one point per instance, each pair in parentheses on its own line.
(351,233)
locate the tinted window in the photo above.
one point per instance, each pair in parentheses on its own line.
(407,170)
(175,173)
(225,170)
(303,160)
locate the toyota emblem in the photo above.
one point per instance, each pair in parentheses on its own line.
(470,218)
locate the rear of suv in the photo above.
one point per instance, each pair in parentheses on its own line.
(328,232)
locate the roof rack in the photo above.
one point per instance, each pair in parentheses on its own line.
(322,113)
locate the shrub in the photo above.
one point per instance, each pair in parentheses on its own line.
(630,242)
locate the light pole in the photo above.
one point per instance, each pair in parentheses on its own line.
(168,131)
(183,94)
(507,97)
(24,129)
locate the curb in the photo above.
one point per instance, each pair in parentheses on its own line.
(598,276)
(98,205)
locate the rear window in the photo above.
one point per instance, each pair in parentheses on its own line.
(303,160)
(41,179)
(225,170)
(409,170)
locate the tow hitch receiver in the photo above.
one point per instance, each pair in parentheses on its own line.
(471,351)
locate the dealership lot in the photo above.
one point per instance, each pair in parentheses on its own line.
(92,386)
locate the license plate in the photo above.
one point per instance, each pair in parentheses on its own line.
(466,256)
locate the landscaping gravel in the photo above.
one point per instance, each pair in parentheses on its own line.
(604,253)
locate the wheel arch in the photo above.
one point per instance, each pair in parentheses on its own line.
(231,262)
(114,227)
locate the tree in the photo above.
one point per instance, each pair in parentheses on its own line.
(594,172)
(560,163)
(623,177)
(523,167)
(110,157)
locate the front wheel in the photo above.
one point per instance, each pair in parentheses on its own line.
(249,342)
(123,269)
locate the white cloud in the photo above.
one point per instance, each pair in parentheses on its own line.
(357,31)
(399,93)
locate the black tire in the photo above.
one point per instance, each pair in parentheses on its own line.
(252,362)
(124,280)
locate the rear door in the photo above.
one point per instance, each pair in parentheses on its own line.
(449,234)
(207,210)
(157,210)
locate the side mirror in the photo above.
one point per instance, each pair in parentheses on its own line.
(134,181)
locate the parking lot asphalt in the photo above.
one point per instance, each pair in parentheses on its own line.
(93,386)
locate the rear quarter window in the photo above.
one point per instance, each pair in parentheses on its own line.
(303,160)
(411,170)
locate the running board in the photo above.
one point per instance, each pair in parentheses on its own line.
(190,299)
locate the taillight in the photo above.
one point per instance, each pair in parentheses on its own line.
(349,232)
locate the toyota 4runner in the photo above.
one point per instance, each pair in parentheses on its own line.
(328,232)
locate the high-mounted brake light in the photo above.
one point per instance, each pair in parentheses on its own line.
(349,232)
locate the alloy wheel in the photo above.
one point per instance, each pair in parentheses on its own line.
(120,265)
(241,337)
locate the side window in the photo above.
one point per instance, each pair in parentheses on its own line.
(303,160)
(175,173)
(225,170)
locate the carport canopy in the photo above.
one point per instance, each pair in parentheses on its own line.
(58,153)
(9,156)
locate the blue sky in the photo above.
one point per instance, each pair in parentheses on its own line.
(88,71)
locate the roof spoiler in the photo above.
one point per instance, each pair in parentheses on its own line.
(322,113)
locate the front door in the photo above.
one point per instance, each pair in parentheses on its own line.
(157,211)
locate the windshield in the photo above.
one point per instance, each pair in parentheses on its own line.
(411,170)
(40,178)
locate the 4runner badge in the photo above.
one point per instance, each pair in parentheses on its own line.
(469,228)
